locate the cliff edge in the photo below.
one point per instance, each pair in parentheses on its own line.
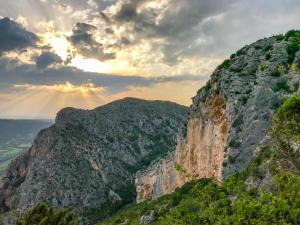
(230,117)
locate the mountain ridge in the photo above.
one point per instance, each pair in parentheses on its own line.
(88,157)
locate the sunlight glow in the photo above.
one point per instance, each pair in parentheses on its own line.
(89,65)
(94,65)
(59,44)
(67,87)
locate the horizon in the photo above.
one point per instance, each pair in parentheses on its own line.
(84,54)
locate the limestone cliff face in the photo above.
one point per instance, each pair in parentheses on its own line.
(229,118)
(89,157)
(201,154)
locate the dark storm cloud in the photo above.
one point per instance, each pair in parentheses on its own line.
(15,73)
(83,39)
(14,37)
(127,12)
(46,59)
(206,28)
(177,19)
(177,23)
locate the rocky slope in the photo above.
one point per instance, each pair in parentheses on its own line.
(230,117)
(88,158)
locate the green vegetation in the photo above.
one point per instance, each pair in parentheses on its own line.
(287,131)
(281,85)
(237,201)
(293,38)
(41,214)
(225,64)
(234,143)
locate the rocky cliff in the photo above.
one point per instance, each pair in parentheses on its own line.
(230,117)
(88,158)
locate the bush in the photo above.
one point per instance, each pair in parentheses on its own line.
(225,64)
(286,132)
(291,50)
(233,143)
(291,33)
(41,214)
(275,73)
(281,85)
(293,37)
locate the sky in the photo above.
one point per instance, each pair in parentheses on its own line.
(86,53)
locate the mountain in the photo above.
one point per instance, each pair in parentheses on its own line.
(239,162)
(88,158)
(231,116)
(236,161)
(16,136)
(266,192)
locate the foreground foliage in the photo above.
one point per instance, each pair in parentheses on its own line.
(41,214)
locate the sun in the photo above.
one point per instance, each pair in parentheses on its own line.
(59,43)
(61,46)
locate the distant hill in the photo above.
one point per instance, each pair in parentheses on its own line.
(17,136)
(88,158)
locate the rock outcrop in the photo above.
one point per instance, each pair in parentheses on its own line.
(88,158)
(229,118)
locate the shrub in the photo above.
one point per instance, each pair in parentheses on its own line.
(234,143)
(286,132)
(240,52)
(41,214)
(293,37)
(275,73)
(267,48)
(225,64)
(281,85)
(230,159)
(292,48)
(291,33)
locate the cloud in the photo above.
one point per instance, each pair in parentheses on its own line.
(176,22)
(83,39)
(46,59)
(127,12)
(14,37)
(13,72)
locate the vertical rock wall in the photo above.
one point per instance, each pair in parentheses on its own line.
(200,155)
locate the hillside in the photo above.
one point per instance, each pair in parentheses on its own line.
(231,117)
(88,158)
(16,136)
(266,192)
